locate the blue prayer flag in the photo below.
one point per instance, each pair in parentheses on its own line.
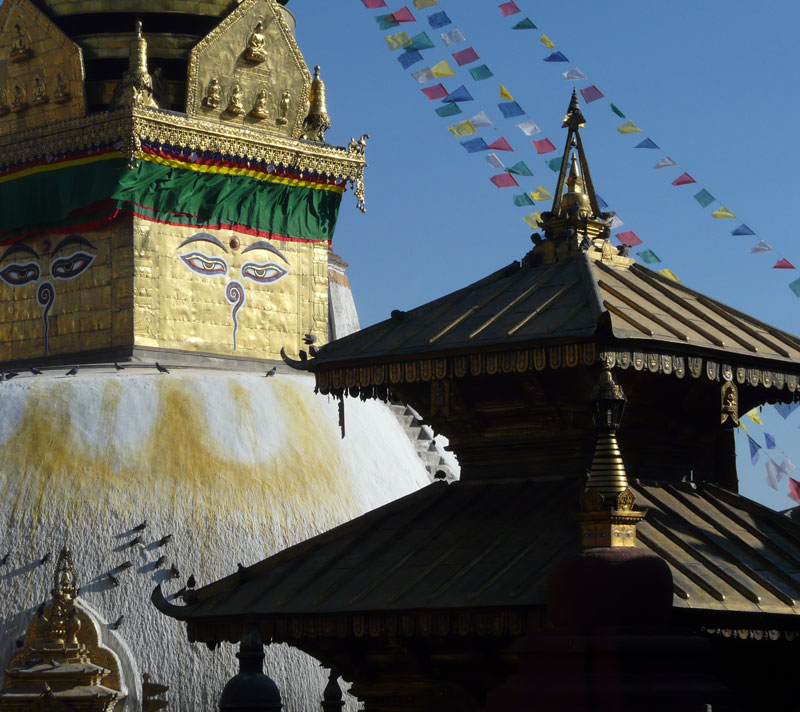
(647,143)
(742,230)
(786,409)
(556,57)
(474,145)
(439,19)
(460,94)
(754,448)
(600,202)
(510,109)
(409,57)
(770,441)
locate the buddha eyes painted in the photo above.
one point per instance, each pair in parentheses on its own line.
(71,266)
(17,275)
(205,265)
(263,273)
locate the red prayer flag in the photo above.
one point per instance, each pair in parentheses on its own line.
(794,490)
(544,145)
(509,8)
(591,93)
(684,179)
(783,263)
(629,238)
(465,56)
(403,15)
(435,92)
(503,180)
(500,145)
(374,4)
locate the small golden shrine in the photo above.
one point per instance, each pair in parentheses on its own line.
(62,665)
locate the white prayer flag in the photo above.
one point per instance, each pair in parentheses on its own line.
(616,222)
(761,246)
(574,75)
(424,75)
(665,162)
(774,474)
(481,120)
(493,160)
(787,466)
(529,128)
(452,37)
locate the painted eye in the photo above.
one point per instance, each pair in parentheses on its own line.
(263,274)
(205,265)
(16,275)
(70,267)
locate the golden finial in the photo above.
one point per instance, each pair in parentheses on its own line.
(574,117)
(317,122)
(136,87)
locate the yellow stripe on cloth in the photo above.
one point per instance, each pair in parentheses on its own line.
(56,166)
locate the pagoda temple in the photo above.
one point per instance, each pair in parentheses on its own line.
(596,553)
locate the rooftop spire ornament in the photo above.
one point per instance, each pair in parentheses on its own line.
(318,121)
(136,87)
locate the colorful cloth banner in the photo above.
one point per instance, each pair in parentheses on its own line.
(448,110)
(533,219)
(439,19)
(794,490)
(554,164)
(453,37)
(500,145)
(474,145)
(494,161)
(684,179)
(374,4)
(774,474)
(704,198)
(574,75)
(769,441)
(617,111)
(404,15)
(591,93)
(523,199)
(462,128)
(480,73)
(424,75)
(601,203)
(504,180)
(509,8)
(544,145)
(647,143)
(669,274)
(409,57)
(628,128)
(665,162)
(520,169)
(460,94)
(505,94)
(742,230)
(421,41)
(481,120)
(648,257)
(541,194)
(723,212)
(386,22)
(547,42)
(616,221)
(555,57)
(628,238)
(435,92)
(465,56)
(786,409)
(754,416)
(783,263)
(795,287)
(510,109)
(529,128)
(398,41)
(525,24)
(442,69)
(422,4)
(760,246)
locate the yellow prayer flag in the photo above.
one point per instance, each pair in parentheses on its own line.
(669,274)
(723,212)
(547,42)
(398,41)
(628,128)
(505,94)
(462,128)
(422,4)
(742,425)
(754,416)
(533,219)
(442,69)
(540,194)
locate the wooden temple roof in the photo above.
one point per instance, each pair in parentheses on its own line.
(481,545)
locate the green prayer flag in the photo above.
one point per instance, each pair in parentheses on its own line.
(525,24)
(648,256)
(448,110)
(520,169)
(523,199)
(386,22)
(482,72)
(421,41)
(795,287)
(554,164)
(616,110)
(704,198)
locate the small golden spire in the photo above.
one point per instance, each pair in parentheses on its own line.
(136,87)
(317,122)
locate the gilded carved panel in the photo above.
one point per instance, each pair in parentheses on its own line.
(249,72)
(41,70)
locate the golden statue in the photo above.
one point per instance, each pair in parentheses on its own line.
(730,404)
(39,91)
(4,107)
(20,47)
(213,94)
(19,103)
(283,109)
(255,51)
(260,109)
(61,95)
(235,105)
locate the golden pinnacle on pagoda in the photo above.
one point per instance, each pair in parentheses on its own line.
(136,87)
(318,121)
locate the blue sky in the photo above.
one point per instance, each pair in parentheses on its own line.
(711,83)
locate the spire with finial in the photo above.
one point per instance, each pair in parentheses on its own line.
(318,121)
(136,87)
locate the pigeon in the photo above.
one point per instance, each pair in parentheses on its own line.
(118,367)
(40,611)
(191,582)
(160,561)
(313,350)
(2,376)
(45,559)
(309,339)
(4,560)
(174,573)
(124,566)
(140,527)
(30,662)
(303,355)
(11,374)
(113,580)
(242,571)
(134,542)
(36,372)
(164,540)
(55,663)
(397,315)
(19,642)
(271,372)
(117,623)
(73,371)
(161,369)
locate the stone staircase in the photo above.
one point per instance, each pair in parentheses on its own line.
(424,440)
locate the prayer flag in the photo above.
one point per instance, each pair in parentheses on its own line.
(465,56)
(665,162)
(404,15)
(591,93)
(422,4)
(541,194)
(617,111)
(769,441)
(628,128)
(574,75)
(494,161)
(648,257)
(783,263)
(774,475)
(647,143)
(374,4)
(761,246)
(503,180)
(523,199)
(754,416)
(435,92)
(555,57)
(386,21)
(629,238)
(547,42)
(533,219)
(443,69)
(421,41)
(704,198)
(409,57)
(424,75)
(754,448)
(616,221)
(529,128)
(544,145)
(684,179)
(481,72)
(723,212)
(448,110)
(474,145)
(786,409)
(452,37)
(460,94)
(398,41)
(504,94)
(787,466)
(462,128)
(520,169)
(794,490)
(500,145)
(509,8)
(525,24)
(602,203)
(795,287)
(669,274)
(742,230)
(510,109)
(554,164)
(439,19)
(743,426)
(481,120)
